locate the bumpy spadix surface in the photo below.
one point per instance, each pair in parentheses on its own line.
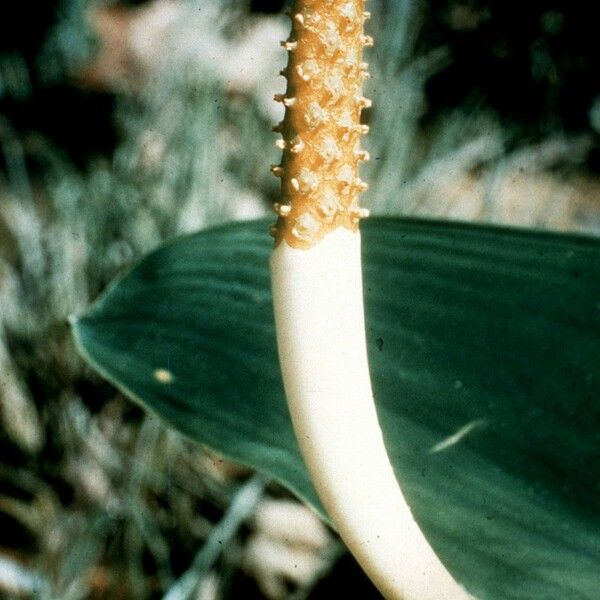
(321,129)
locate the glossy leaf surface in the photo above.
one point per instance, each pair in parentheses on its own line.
(484,346)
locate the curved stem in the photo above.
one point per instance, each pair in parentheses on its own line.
(318,304)
(319,315)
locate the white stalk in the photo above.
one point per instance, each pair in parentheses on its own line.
(318,302)
(317,293)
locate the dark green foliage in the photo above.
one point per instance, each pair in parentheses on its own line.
(484,353)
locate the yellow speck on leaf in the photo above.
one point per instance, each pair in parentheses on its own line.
(163,375)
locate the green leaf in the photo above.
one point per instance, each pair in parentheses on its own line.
(484,347)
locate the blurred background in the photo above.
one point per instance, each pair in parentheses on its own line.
(123,124)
